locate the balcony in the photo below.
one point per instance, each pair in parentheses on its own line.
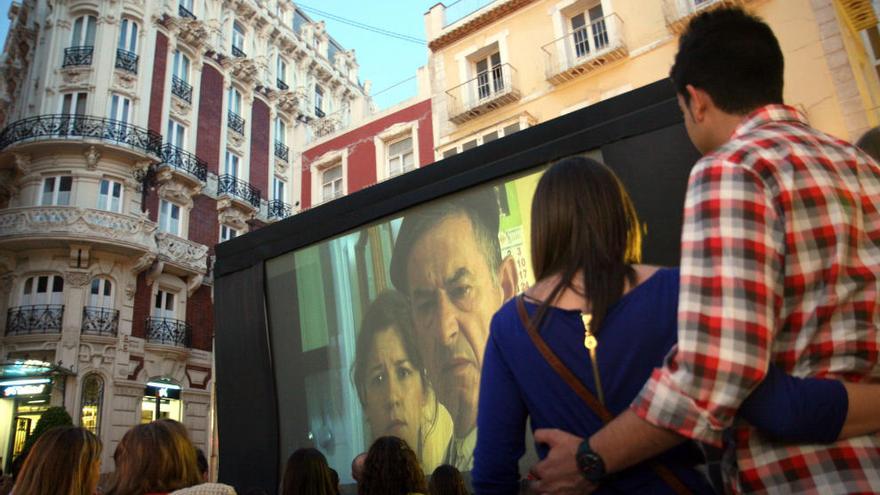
(36,226)
(282,151)
(325,125)
(279,209)
(127,61)
(237,52)
(186,256)
(585,50)
(679,12)
(238,189)
(235,122)
(281,85)
(78,56)
(71,127)
(181,89)
(184,13)
(291,101)
(168,331)
(488,91)
(184,161)
(100,321)
(34,320)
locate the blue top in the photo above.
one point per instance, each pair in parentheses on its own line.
(638,332)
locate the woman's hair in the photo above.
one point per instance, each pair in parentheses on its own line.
(447,480)
(584,225)
(391,468)
(154,457)
(61,462)
(307,473)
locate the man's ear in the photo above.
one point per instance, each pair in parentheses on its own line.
(699,102)
(507,277)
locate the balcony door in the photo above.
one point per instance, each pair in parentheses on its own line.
(84,31)
(176,134)
(163,306)
(120,109)
(128,34)
(589,38)
(74,103)
(101,293)
(490,78)
(43,289)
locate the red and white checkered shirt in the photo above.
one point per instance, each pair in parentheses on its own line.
(780,263)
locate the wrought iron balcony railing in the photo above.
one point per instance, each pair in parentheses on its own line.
(279,209)
(100,321)
(181,89)
(168,331)
(78,55)
(65,126)
(184,160)
(34,319)
(237,52)
(126,60)
(490,89)
(235,122)
(233,186)
(281,85)
(585,49)
(184,12)
(282,151)
(319,113)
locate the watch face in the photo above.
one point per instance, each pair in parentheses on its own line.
(590,464)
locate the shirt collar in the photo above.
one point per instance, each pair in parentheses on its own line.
(768,114)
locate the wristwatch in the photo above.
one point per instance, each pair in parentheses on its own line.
(590,464)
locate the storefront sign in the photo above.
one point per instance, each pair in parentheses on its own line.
(23,390)
(170,392)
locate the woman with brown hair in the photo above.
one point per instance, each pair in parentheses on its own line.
(307,473)
(392,468)
(447,480)
(65,460)
(157,457)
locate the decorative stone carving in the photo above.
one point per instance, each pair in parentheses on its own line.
(108,19)
(292,101)
(74,76)
(63,24)
(130,291)
(125,80)
(243,69)
(193,283)
(49,221)
(229,215)
(182,253)
(176,192)
(235,140)
(281,167)
(180,110)
(142,264)
(92,156)
(22,160)
(79,255)
(77,279)
(7,281)
(194,33)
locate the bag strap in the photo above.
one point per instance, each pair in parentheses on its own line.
(589,399)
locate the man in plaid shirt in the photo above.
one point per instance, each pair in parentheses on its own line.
(780,263)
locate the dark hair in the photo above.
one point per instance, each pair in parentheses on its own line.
(307,473)
(155,457)
(584,224)
(391,468)
(870,143)
(734,57)
(481,208)
(61,461)
(447,480)
(334,478)
(201,461)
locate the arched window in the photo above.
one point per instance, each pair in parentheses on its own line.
(84,31)
(43,289)
(101,293)
(92,398)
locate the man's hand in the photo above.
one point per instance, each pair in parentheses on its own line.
(558,473)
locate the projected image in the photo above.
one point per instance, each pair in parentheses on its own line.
(390,322)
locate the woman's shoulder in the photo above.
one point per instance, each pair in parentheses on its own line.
(206,489)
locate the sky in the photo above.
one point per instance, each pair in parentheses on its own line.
(383,60)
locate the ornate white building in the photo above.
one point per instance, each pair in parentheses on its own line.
(136,135)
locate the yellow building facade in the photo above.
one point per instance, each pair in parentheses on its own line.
(497,67)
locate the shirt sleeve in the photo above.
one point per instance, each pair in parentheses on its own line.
(801,410)
(501,424)
(730,296)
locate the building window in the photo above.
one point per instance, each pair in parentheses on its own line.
(101,293)
(110,196)
(56,191)
(74,103)
(163,305)
(180,66)
(237,40)
(227,233)
(497,133)
(490,79)
(592,37)
(176,134)
(43,289)
(120,109)
(280,131)
(90,403)
(169,217)
(400,157)
(128,34)
(319,101)
(281,73)
(331,180)
(231,165)
(233,99)
(187,6)
(278,189)
(84,31)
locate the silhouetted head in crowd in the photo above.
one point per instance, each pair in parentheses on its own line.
(202,462)
(447,480)
(155,457)
(391,468)
(307,473)
(728,64)
(447,260)
(65,460)
(870,143)
(357,466)
(334,478)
